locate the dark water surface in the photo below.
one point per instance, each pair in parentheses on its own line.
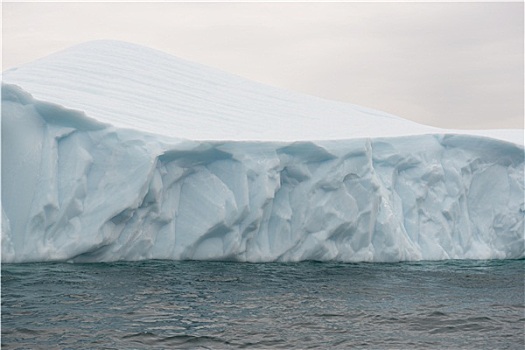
(222,305)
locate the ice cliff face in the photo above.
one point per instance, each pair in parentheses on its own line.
(116,152)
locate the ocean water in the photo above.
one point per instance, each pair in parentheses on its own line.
(226,305)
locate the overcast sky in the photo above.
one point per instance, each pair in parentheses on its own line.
(453,65)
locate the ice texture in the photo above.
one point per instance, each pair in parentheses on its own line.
(112,151)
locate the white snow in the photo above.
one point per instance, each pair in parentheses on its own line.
(112,151)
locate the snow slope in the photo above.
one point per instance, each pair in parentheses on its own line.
(112,151)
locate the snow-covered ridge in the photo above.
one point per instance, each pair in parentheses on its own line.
(116,152)
(131,86)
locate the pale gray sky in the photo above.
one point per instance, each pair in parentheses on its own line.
(454,65)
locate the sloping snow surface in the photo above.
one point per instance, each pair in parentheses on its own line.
(112,151)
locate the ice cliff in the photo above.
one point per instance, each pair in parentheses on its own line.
(112,151)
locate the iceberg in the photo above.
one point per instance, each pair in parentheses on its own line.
(113,151)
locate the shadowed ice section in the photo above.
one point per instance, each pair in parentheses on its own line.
(76,189)
(203,165)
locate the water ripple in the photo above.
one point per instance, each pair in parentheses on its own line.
(218,305)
